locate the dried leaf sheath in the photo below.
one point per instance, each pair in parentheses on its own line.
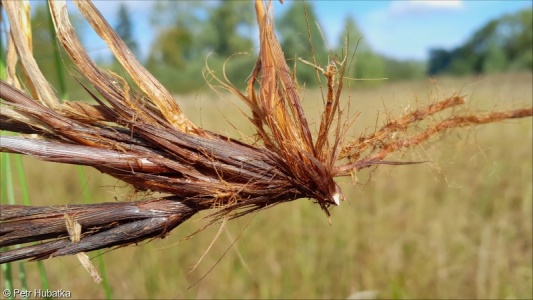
(139,135)
(104,225)
(197,167)
(133,139)
(19,15)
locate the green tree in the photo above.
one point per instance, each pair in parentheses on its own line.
(170,48)
(518,31)
(170,13)
(225,33)
(404,70)
(176,23)
(367,64)
(228,31)
(439,60)
(465,60)
(294,38)
(189,31)
(495,60)
(124,28)
(354,36)
(501,44)
(223,28)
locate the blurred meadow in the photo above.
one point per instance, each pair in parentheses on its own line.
(458,225)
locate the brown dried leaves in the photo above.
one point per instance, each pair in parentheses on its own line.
(18,13)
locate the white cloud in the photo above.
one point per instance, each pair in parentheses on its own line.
(415,7)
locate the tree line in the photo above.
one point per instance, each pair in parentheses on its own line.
(186,32)
(189,31)
(503,44)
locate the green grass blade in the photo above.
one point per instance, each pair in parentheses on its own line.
(101,263)
(3,70)
(7,175)
(22,277)
(57,60)
(8,196)
(26,200)
(7,179)
(22,179)
(44,278)
(84,185)
(105,281)
(8,279)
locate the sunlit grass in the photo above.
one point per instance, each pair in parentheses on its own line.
(457,226)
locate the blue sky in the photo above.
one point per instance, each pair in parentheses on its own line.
(399,29)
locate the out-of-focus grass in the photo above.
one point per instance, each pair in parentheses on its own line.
(459,226)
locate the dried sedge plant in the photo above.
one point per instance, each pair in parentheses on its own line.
(140,135)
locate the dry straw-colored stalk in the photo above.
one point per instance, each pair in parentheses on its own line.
(139,135)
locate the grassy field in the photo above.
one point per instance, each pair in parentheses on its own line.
(459,226)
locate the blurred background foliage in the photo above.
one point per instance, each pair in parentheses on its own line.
(503,44)
(186,32)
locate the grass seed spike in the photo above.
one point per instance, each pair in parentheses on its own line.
(139,135)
